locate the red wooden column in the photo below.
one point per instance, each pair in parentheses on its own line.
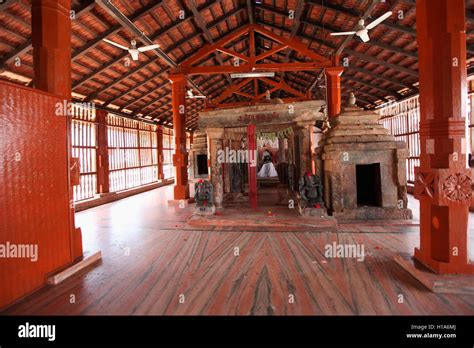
(333,88)
(159,145)
(443,181)
(252,146)
(180,158)
(51,40)
(102,153)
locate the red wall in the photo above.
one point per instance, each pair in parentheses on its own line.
(34,192)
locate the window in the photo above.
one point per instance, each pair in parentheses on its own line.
(168,151)
(84,142)
(133,159)
(402,119)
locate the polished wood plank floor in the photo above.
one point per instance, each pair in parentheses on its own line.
(154,263)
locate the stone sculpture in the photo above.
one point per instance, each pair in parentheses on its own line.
(204,197)
(311,191)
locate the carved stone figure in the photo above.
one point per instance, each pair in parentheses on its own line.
(311,191)
(203,193)
(204,197)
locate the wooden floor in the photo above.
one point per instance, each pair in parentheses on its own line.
(153,262)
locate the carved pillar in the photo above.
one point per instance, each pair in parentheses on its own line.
(227,168)
(180,158)
(303,132)
(292,172)
(215,143)
(333,88)
(443,181)
(281,150)
(102,154)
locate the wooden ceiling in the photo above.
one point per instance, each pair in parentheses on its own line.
(378,71)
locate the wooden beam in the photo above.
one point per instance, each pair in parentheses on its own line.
(126,23)
(300,5)
(270,52)
(143,11)
(370,85)
(152,91)
(231,90)
(233,54)
(217,69)
(207,34)
(250,11)
(372,59)
(210,48)
(398,82)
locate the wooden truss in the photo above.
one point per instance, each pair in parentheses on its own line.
(252,62)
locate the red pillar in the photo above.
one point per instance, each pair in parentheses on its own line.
(159,145)
(51,37)
(333,88)
(180,158)
(51,40)
(102,153)
(252,144)
(443,181)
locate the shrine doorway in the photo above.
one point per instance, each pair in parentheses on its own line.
(274,167)
(290,127)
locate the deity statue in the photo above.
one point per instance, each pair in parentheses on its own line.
(203,193)
(311,191)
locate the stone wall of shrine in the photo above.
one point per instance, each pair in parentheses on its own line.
(363,168)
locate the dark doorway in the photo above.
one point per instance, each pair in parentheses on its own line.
(202,164)
(369,185)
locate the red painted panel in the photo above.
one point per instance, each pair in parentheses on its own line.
(34,190)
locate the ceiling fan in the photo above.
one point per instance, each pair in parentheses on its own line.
(133,50)
(191,95)
(362,30)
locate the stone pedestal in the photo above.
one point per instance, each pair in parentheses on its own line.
(313,212)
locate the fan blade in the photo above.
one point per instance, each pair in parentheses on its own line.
(379,20)
(343,33)
(134,54)
(116,44)
(364,35)
(148,48)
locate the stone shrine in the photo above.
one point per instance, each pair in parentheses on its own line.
(363,168)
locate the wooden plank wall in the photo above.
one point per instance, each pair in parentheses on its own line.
(34,193)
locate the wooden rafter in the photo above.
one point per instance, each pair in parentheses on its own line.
(317,61)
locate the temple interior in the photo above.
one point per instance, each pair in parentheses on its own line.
(227,157)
